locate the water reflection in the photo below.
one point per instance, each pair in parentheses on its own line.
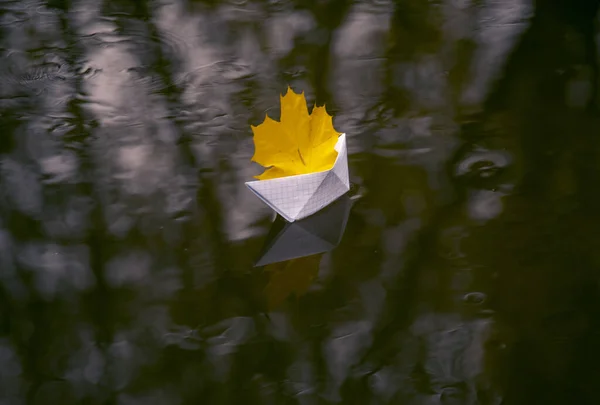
(468,270)
(292,252)
(318,233)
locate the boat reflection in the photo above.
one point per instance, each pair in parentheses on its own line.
(292,252)
(316,234)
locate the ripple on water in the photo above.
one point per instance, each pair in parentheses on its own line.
(25,80)
(178,32)
(173,46)
(481,168)
(150,53)
(217,74)
(34,54)
(474,298)
(240,11)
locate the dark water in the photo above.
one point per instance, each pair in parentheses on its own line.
(469,269)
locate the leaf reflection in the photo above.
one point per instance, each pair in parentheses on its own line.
(290,277)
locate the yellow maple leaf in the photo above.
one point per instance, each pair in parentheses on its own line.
(299,143)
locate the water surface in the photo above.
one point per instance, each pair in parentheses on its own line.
(468,269)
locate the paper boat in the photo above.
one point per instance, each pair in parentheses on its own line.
(297,197)
(317,234)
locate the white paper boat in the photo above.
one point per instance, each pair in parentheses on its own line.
(297,197)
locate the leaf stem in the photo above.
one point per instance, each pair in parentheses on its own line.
(301,158)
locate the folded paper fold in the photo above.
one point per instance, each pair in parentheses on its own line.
(297,197)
